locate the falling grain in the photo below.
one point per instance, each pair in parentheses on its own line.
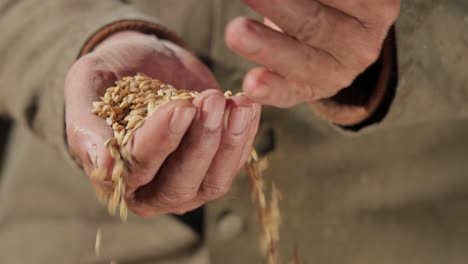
(125,107)
(97,244)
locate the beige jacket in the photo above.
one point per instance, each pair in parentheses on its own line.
(392,190)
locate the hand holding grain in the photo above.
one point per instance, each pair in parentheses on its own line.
(187,153)
(309,49)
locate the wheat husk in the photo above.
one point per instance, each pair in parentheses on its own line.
(125,107)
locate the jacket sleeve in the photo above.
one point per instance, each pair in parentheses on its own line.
(39,42)
(427,55)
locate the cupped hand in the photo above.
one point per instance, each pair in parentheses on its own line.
(187,153)
(309,49)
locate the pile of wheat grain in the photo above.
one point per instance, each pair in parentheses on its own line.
(125,107)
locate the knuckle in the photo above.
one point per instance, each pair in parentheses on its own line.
(312,62)
(367,55)
(174,197)
(212,192)
(231,143)
(228,145)
(167,141)
(303,93)
(210,141)
(298,93)
(313,27)
(139,175)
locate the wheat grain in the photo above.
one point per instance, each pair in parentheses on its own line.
(97,244)
(123,210)
(125,107)
(99,174)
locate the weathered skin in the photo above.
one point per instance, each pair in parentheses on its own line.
(393,192)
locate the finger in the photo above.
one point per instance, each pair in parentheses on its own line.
(156,140)
(146,210)
(183,172)
(299,18)
(288,57)
(86,132)
(235,136)
(369,12)
(252,133)
(217,191)
(323,27)
(269,88)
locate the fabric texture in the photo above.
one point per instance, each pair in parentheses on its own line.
(51,209)
(394,192)
(135,25)
(367,100)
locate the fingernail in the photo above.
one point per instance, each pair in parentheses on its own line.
(239,118)
(255,89)
(249,42)
(181,119)
(212,112)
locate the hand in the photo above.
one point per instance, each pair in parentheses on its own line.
(185,154)
(309,49)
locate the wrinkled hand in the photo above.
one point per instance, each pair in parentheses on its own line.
(186,153)
(309,49)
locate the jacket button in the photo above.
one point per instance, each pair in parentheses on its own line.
(229,225)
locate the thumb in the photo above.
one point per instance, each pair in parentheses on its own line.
(86,133)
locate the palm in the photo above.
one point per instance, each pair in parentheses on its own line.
(214,134)
(114,59)
(159,59)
